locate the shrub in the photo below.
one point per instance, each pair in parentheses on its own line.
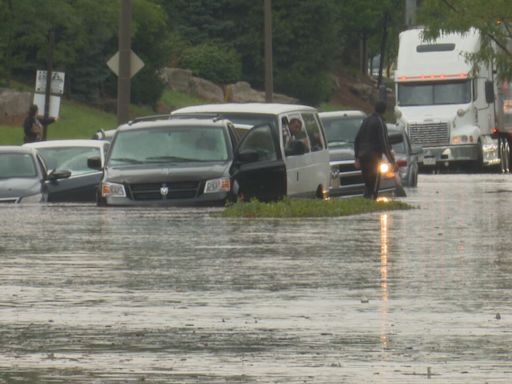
(213,62)
(311,89)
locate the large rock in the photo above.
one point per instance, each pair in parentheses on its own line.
(206,90)
(177,79)
(182,80)
(14,105)
(241,92)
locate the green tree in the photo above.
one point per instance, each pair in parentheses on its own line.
(493,18)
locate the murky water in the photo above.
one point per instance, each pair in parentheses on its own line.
(95,295)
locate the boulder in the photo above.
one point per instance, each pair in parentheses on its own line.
(241,92)
(176,78)
(206,90)
(14,105)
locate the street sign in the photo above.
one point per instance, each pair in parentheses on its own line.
(136,63)
(39,100)
(56,85)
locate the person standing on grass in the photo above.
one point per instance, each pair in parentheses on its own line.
(370,144)
(33,125)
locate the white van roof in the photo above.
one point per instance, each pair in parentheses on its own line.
(267,108)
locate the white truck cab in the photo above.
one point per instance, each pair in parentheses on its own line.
(444,106)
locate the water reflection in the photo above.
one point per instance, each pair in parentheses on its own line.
(384,279)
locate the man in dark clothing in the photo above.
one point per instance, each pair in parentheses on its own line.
(370,144)
(33,125)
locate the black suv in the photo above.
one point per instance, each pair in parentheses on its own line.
(169,162)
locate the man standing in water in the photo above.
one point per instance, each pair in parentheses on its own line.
(370,144)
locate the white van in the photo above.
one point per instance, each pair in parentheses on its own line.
(270,163)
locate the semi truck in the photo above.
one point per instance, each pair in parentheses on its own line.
(455,112)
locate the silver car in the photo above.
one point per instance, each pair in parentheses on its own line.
(406,156)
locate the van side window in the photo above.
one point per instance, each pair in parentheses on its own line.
(260,140)
(313,129)
(295,139)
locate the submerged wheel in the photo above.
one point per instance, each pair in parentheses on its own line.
(505,158)
(320,194)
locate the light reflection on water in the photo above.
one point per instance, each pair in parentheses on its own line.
(176,295)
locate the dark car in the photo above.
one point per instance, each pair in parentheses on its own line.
(341,128)
(406,155)
(169,162)
(72,156)
(23,176)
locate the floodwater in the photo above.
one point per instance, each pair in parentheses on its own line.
(113,295)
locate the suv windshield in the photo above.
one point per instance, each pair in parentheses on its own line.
(454,92)
(170,144)
(341,129)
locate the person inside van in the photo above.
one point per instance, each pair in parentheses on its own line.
(296,143)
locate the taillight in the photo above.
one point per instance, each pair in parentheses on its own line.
(401,163)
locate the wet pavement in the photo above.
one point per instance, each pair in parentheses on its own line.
(101,295)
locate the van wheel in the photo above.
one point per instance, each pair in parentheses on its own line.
(319,194)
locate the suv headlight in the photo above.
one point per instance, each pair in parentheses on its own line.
(218,185)
(112,190)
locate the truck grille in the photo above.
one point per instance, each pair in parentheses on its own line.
(176,190)
(429,134)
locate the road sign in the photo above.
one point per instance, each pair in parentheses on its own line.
(39,100)
(56,85)
(136,63)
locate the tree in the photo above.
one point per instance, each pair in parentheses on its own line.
(493,18)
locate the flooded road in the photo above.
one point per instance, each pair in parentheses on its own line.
(100,295)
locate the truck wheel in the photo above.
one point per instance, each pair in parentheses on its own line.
(506,156)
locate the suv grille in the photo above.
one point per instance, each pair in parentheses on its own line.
(349,175)
(176,190)
(429,134)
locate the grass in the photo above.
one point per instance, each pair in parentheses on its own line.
(175,99)
(80,121)
(293,208)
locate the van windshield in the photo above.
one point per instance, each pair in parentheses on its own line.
(453,92)
(170,144)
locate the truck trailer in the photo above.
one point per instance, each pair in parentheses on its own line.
(454,112)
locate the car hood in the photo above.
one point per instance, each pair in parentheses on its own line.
(19,186)
(150,173)
(343,153)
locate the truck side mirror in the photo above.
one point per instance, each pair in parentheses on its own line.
(489,92)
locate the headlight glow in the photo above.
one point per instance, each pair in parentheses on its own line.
(112,190)
(385,169)
(218,185)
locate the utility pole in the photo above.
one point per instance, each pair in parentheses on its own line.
(49,75)
(410,13)
(268,51)
(124,76)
